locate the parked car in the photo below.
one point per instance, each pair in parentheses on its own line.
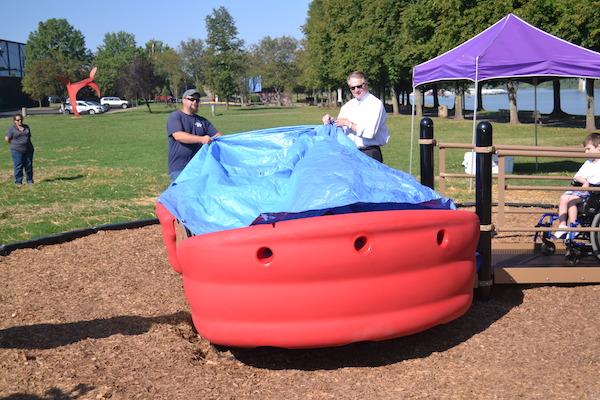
(114,102)
(85,107)
(105,107)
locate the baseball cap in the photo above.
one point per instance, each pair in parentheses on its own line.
(191,93)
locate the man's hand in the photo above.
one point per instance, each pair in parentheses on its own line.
(344,122)
(209,139)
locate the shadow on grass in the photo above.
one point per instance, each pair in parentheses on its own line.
(49,336)
(373,354)
(63,178)
(548,167)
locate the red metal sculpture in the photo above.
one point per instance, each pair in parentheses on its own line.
(74,88)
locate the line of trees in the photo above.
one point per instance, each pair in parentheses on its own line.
(384,38)
(220,65)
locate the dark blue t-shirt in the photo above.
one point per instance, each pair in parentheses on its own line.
(181,153)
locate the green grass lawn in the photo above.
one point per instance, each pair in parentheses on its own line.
(110,168)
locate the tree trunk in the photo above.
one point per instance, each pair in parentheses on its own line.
(512,102)
(395,104)
(418,99)
(148,105)
(556,110)
(436,100)
(480,97)
(458,101)
(590,119)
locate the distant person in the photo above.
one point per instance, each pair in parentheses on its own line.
(363,118)
(21,149)
(187,132)
(588,175)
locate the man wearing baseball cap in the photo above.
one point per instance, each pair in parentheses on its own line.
(187,132)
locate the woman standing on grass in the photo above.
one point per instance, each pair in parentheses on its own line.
(21,149)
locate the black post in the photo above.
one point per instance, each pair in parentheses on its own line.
(483,200)
(426,150)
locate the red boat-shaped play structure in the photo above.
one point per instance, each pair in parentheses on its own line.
(328,280)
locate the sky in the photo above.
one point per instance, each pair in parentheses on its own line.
(170,22)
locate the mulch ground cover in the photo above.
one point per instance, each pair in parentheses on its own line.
(105,316)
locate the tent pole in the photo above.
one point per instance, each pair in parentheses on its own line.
(475,106)
(535,117)
(412,129)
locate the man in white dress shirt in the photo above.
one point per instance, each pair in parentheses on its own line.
(363,118)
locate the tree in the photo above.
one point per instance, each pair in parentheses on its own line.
(276,61)
(40,79)
(511,88)
(224,54)
(138,80)
(308,78)
(113,57)
(320,38)
(167,65)
(54,49)
(56,38)
(193,58)
(154,46)
(578,24)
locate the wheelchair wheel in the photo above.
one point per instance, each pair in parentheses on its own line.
(547,248)
(573,255)
(595,236)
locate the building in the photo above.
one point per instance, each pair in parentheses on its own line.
(12,70)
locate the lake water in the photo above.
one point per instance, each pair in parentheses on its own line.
(572,101)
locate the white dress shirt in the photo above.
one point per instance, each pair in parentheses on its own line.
(369,116)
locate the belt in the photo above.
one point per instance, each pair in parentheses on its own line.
(369,147)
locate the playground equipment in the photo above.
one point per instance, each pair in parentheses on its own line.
(522,262)
(329,280)
(326,277)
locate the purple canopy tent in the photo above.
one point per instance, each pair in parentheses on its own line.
(509,49)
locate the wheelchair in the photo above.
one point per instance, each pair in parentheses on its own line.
(577,244)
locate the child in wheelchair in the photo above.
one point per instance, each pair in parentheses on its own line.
(578,208)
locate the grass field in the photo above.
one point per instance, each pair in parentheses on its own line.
(110,168)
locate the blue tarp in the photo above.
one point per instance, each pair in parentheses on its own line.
(285,173)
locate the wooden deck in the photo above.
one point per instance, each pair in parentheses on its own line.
(521,263)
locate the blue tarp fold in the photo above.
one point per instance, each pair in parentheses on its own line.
(283,173)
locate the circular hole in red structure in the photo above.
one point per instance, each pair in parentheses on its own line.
(264,254)
(360,243)
(441,238)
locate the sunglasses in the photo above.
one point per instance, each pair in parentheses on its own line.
(18,120)
(357,86)
(193,99)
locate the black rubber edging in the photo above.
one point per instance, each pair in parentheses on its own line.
(58,238)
